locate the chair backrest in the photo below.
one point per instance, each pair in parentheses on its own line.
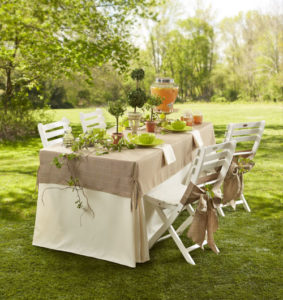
(52,133)
(211,164)
(93,119)
(245,132)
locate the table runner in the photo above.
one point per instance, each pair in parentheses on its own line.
(130,173)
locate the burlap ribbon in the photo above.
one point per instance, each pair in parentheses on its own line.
(136,189)
(233,184)
(205,219)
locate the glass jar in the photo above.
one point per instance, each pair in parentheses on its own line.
(198,117)
(187,117)
(167,91)
(68,138)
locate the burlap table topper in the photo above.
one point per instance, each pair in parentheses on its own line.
(233,184)
(205,218)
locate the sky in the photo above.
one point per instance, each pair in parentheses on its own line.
(229,8)
(220,9)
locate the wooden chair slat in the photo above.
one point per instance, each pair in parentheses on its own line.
(247,131)
(46,133)
(53,125)
(54,133)
(247,125)
(89,120)
(56,141)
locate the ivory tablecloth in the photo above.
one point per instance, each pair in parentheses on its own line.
(114,184)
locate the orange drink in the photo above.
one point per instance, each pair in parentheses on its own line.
(198,118)
(167,91)
(188,118)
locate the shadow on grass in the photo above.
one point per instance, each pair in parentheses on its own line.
(21,203)
(28,143)
(266,209)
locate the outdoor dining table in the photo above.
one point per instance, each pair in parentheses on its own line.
(121,224)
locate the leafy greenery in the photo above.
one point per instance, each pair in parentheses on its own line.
(137,97)
(117,109)
(42,39)
(151,103)
(138,75)
(237,58)
(96,141)
(245,164)
(248,266)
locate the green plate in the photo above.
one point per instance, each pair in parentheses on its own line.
(186,128)
(156,142)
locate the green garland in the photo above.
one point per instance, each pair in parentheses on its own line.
(96,141)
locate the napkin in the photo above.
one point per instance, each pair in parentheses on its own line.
(197,138)
(168,153)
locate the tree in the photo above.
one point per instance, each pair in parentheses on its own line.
(188,57)
(40,39)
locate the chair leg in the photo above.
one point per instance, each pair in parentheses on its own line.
(220,211)
(190,209)
(180,245)
(184,225)
(245,203)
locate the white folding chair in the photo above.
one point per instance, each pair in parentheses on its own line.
(249,133)
(52,133)
(209,167)
(93,119)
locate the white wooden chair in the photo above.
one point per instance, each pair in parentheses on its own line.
(244,133)
(209,167)
(93,119)
(52,133)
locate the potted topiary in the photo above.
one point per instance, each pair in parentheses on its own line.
(151,103)
(136,98)
(117,109)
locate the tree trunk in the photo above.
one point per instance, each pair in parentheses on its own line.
(117,125)
(8,91)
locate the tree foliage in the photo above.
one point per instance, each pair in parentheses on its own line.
(239,58)
(186,54)
(42,39)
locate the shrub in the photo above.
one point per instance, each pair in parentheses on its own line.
(19,119)
(218,99)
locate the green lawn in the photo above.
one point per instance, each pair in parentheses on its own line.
(250,264)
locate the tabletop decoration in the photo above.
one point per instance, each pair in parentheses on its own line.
(147,140)
(177,126)
(136,98)
(68,138)
(125,123)
(165,88)
(151,103)
(94,141)
(197,117)
(117,109)
(187,117)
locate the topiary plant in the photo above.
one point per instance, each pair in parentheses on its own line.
(117,109)
(151,103)
(137,98)
(138,75)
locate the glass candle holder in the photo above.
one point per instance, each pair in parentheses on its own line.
(198,118)
(187,117)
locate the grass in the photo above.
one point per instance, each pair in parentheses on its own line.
(250,264)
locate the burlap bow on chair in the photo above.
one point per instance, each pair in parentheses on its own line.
(233,184)
(205,219)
